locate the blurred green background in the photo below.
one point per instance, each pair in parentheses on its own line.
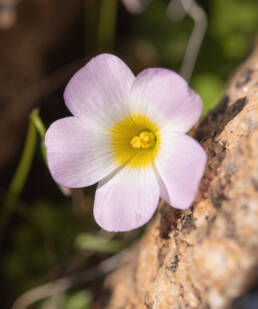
(45,234)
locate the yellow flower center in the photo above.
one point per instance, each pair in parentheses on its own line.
(135,141)
(146,139)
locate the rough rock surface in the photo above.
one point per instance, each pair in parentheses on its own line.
(206,256)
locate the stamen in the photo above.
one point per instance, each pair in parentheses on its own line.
(146,139)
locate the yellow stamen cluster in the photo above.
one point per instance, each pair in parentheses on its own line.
(135,141)
(145,139)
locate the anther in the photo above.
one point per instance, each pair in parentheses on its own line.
(146,139)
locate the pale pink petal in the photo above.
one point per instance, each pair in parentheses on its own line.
(127,200)
(98,92)
(136,6)
(180,163)
(75,156)
(165,97)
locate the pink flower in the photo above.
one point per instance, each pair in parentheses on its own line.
(128,134)
(135,6)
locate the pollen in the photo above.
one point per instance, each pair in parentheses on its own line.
(146,139)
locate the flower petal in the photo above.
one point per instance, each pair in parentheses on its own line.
(98,92)
(77,157)
(180,164)
(165,97)
(127,200)
(136,6)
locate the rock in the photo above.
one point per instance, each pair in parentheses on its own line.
(206,256)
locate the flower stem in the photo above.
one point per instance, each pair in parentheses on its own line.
(107,25)
(20,176)
(40,127)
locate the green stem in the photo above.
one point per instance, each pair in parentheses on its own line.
(107,25)
(19,178)
(40,127)
(91,11)
(34,116)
